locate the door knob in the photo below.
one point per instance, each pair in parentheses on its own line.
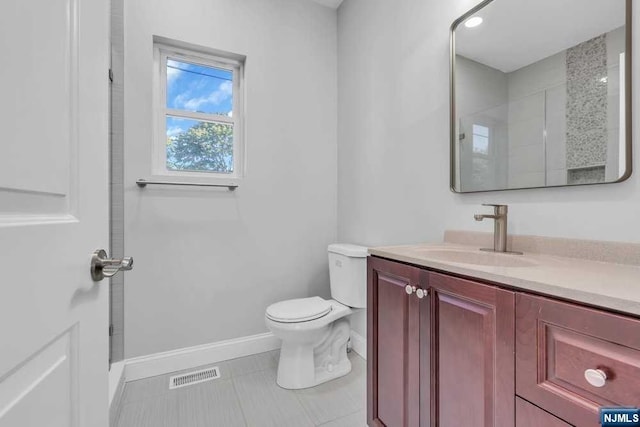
(421,293)
(409,289)
(102,267)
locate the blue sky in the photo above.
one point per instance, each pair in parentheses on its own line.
(196,88)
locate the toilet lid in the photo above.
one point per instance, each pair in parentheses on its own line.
(298,310)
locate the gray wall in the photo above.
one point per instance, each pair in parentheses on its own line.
(116,236)
(208,262)
(393,140)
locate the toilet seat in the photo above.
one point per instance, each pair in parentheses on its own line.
(298,310)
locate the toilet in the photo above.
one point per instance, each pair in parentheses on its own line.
(315,331)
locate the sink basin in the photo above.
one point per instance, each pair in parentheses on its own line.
(476,257)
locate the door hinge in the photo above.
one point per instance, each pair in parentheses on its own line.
(110,330)
(110,75)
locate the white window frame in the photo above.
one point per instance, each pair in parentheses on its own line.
(229,62)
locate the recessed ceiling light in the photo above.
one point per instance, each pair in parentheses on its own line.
(473,22)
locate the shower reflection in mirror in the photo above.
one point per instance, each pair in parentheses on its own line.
(540,102)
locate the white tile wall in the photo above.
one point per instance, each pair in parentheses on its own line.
(615,46)
(527,108)
(557,177)
(527,179)
(556,141)
(537,98)
(526,159)
(538,76)
(526,132)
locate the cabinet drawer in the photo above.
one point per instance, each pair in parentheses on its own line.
(556,343)
(528,415)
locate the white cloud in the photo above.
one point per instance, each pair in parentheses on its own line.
(173,73)
(180,99)
(218,96)
(173,131)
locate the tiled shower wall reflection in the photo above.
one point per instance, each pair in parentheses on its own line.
(537,96)
(562,115)
(574,97)
(593,108)
(587,78)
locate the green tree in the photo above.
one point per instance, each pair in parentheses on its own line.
(203,147)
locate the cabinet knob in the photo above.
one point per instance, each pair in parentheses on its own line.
(409,289)
(596,377)
(421,293)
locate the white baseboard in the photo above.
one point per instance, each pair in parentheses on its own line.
(191,357)
(116,380)
(359,344)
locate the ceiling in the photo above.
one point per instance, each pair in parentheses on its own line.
(334,4)
(516,33)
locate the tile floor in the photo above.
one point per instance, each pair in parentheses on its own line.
(246,395)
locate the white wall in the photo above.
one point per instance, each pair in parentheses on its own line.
(208,262)
(393,140)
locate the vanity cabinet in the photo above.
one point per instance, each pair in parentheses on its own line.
(448,352)
(440,349)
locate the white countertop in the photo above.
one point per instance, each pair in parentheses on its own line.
(603,284)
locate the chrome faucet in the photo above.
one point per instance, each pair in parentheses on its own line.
(500,228)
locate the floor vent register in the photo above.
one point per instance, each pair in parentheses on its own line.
(194,377)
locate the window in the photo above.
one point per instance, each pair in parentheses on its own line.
(480,161)
(199,129)
(480,139)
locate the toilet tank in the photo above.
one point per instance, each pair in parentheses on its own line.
(348,274)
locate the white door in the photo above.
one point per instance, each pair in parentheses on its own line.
(53,212)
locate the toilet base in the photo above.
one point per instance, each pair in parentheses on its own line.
(308,365)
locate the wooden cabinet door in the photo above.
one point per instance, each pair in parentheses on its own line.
(393,345)
(473,332)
